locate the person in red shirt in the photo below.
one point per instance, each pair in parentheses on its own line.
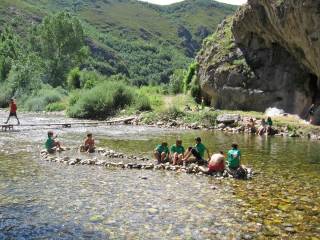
(89,145)
(13,111)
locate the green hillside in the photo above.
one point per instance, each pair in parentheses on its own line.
(143,43)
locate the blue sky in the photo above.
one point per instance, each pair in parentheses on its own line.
(164,2)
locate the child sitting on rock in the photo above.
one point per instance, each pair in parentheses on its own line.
(234,162)
(52,145)
(89,144)
(161,152)
(177,152)
(216,164)
(197,152)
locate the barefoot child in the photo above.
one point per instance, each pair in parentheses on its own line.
(177,152)
(13,111)
(51,144)
(89,144)
(198,152)
(216,164)
(161,152)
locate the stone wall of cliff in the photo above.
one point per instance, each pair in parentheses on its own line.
(272,59)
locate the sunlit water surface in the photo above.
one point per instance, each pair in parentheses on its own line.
(41,200)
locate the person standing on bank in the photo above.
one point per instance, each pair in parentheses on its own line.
(13,111)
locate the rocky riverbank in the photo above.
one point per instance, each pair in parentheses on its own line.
(235,123)
(111,159)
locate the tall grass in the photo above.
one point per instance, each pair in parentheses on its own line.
(102,101)
(43,98)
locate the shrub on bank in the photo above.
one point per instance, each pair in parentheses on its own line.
(142,103)
(55,107)
(43,98)
(102,101)
(171,113)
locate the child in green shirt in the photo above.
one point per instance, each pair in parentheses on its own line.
(51,144)
(177,152)
(161,152)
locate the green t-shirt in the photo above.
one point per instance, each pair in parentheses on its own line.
(234,158)
(177,149)
(201,149)
(49,143)
(269,123)
(162,149)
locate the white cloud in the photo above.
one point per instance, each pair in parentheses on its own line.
(165,2)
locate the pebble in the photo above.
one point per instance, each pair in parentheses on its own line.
(290,229)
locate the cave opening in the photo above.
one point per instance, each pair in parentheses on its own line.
(314,87)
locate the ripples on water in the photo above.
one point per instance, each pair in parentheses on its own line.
(48,200)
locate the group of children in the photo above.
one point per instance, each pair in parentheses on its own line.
(177,155)
(265,127)
(52,145)
(216,163)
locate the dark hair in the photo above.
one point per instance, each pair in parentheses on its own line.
(164,144)
(89,135)
(179,141)
(234,145)
(50,133)
(198,139)
(221,152)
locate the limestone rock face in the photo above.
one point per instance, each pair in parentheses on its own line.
(267,55)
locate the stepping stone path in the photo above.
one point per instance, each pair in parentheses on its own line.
(140,164)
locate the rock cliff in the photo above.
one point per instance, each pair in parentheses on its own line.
(267,55)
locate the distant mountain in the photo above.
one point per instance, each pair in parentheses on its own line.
(116,25)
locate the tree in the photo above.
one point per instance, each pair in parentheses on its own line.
(61,43)
(9,51)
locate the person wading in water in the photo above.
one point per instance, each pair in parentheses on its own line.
(13,111)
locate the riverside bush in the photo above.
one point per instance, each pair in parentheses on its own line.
(171,113)
(44,97)
(102,101)
(142,103)
(55,107)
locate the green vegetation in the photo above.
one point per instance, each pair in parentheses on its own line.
(66,55)
(145,42)
(99,103)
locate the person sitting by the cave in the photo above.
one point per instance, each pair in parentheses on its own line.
(269,126)
(269,122)
(161,152)
(89,144)
(252,126)
(263,128)
(177,152)
(216,164)
(51,144)
(197,152)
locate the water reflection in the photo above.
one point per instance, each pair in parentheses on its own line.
(49,200)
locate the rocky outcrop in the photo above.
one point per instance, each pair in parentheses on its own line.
(266,56)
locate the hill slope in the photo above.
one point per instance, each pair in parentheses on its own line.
(126,32)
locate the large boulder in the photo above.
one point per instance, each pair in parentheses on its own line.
(265,56)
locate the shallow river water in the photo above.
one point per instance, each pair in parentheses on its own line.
(43,200)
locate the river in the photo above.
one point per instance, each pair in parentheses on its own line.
(43,200)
